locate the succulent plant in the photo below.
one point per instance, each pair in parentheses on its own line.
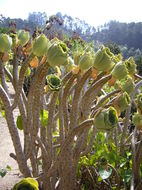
(128,85)
(70,64)
(139,99)
(106,119)
(86,61)
(111,118)
(57,54)
(40,45)
(117,58)
(103,59)
(23,37)
(119,71)
(76,57)
(131,66)
(54,82)
(26,184)
(123,101)
(137,119)
(5,43)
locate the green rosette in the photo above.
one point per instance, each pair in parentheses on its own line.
(76,57)
(57,54)
(103,59)
(111,118)
(139,99)
(54,82)
(99,121)
(119,71)
(26,184)
(23,37)
(40,45)
(5,43)
(70,64)
(128,85)
(137,119)
(86,61)
(106,119)
(123,101)
(131,66)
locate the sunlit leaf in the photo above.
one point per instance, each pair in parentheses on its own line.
(44,117)
(34,62)
(19,122)
(3,113)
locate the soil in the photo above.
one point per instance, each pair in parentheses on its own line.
(6,147)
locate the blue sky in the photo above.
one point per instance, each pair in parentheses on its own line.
(94,12)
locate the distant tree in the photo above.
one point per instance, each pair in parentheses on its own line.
(114,48)
(37,18)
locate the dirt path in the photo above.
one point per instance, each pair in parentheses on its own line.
(6,147)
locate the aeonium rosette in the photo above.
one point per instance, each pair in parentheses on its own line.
(26,184)
(119,72)
(131,66)
(23,37)
(57,53)
(70,64)
(106,119)
(139,102)
(5,43)
(103,60)
(86,61)
(54,82)
(76,56)
(40,45)
(122,102)
(126,84)
(137,120)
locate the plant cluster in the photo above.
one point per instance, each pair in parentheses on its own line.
(76,117)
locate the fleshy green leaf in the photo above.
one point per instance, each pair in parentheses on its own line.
(19,122)
(44,117)
(3,172)
(3,113)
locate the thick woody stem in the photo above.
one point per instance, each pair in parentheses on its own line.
(33,107)
(2,77)
(20,82)
(15,71)
(77,94)
(84,125)
(100,103)
(65,103)
(14,134)
(50,126)
(61,128)
(88,148)
(127,117)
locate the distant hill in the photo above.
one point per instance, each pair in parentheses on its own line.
(128,34)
